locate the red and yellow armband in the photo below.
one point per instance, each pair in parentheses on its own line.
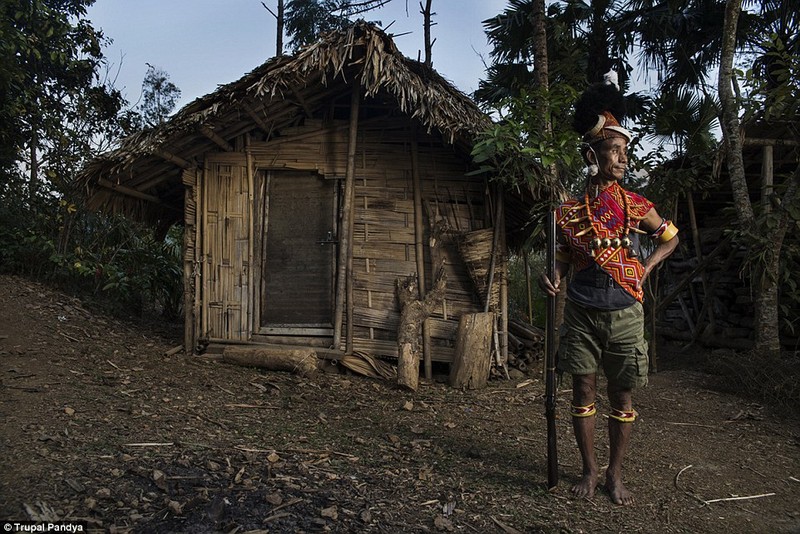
(665,232)
(623,416)
(582,411)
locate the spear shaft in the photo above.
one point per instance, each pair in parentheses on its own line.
(550,358)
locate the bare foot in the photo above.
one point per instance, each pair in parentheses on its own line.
(584,489)
(618,492)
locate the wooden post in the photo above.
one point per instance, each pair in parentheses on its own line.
(526,261)
(767,177)
(503,287)
(344,261)
(698,251)
(199,231)
(419,251)
(473,353)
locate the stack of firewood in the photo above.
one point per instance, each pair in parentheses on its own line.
(525,345)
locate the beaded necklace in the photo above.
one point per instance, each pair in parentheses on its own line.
(596,243)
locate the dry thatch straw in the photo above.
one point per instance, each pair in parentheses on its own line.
(146,167)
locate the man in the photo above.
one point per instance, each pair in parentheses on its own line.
(598,236)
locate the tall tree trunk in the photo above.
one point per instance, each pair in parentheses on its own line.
(541,73)
(768,296)
(765,282)
(279,38)
(426,13)
(730,118)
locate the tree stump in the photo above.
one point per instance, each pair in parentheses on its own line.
(473,354)
(413,313)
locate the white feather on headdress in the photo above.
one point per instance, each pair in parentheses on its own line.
(611,78)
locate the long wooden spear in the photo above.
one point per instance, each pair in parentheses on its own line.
(550,358)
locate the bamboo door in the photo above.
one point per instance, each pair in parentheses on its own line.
(298,261)
(226,309)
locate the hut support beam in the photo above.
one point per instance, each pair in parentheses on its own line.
(189,251)
(256,117)
(172,158)
(344,266)
(253,318)
(129,191)
(419,236)
(222,143)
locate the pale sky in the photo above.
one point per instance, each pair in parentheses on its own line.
(205,43)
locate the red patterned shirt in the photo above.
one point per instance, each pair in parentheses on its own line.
(608,213)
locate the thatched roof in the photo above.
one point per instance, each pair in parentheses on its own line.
(142,178)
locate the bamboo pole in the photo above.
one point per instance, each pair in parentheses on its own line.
(344,262)
(492,261)
(206,275)
(419,235)
(198,256)
(188,265)
(503,282)
(251,293)
(498,218)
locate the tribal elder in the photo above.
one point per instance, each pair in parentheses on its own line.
(598,237)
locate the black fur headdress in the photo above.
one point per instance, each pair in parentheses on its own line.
(600,110)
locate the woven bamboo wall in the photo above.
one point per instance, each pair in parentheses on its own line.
(227,296)
(384,247)
(383,237)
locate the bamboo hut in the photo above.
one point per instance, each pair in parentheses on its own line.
(308,187)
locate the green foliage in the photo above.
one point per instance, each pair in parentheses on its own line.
(518,288)
(109,258)
(56,113)
(774,84)
(55,107)
(517,147)
(159,96)
(306,20)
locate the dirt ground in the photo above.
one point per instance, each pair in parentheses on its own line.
(100,425)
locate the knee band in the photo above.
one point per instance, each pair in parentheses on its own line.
(623,416)
(583,411)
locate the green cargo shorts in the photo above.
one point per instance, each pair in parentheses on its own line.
(611,338)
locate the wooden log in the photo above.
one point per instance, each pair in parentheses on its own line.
(413,313)
(302,362)
(515,344)
(473,353)
(408,367)
(525,331)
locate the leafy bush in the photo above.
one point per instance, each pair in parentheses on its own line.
(109,258)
